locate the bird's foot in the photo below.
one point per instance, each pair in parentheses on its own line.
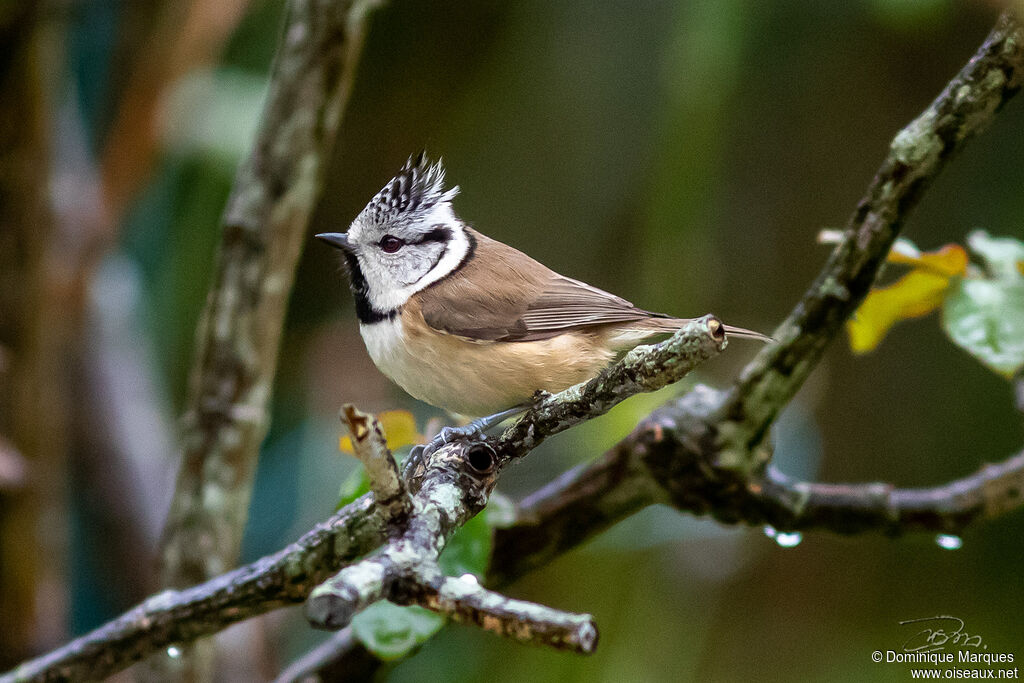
(474,430)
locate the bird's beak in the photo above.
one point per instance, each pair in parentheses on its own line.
(338,240)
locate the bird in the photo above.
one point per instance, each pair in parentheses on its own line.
(467,323)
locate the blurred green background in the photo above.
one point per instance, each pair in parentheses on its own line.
(681,154)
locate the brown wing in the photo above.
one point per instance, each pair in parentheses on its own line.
(502,294)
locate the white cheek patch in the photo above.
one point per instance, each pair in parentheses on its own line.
(458,246)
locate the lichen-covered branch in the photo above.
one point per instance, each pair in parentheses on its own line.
(916,156)
(175,617)
(643,369)
(705,453)
(465,601)
(406,570)
(448,486)
(655,464)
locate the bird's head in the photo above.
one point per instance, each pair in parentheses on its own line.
(406,238)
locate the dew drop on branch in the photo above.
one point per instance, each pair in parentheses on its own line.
(785,539)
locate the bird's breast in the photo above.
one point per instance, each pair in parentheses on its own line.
(473,378)
(386,345)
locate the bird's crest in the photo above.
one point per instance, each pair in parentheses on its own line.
(417,188)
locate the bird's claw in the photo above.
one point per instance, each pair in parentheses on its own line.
(473,431)
(447,435)
(470,431)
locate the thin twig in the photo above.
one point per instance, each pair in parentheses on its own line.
(465,601)
(371,447)
(338,651)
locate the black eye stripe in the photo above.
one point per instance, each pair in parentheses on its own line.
(438,234)
(391,244)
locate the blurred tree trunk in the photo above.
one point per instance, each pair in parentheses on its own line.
(33,333)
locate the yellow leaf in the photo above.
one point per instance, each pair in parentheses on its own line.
(917,293)
(399,429)
(950,260)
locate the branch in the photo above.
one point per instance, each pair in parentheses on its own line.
(175,617)
(644,369)
(371,448)
(916,156)
(703,453)
(340,658)
(655,464)
(264,227)
(406,570)
(465,601)
(448,487)
(709,446)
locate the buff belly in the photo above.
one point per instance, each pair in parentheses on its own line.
(478,378)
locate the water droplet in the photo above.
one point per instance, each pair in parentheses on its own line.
(790,540)
(785,539)
(174,651)
(949,542)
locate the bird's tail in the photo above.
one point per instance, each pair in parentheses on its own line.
(666,324)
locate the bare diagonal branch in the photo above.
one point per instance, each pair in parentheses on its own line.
(916,156)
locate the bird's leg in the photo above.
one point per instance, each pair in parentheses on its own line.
(474,429)
(480,425)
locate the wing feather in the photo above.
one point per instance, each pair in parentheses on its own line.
(502,294)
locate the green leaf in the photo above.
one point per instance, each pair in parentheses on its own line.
(469,550)
(390,631)
(355,485)
(1002,255)
(986,319)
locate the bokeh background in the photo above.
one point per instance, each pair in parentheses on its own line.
(681,154)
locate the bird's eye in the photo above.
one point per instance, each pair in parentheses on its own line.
(391,244)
